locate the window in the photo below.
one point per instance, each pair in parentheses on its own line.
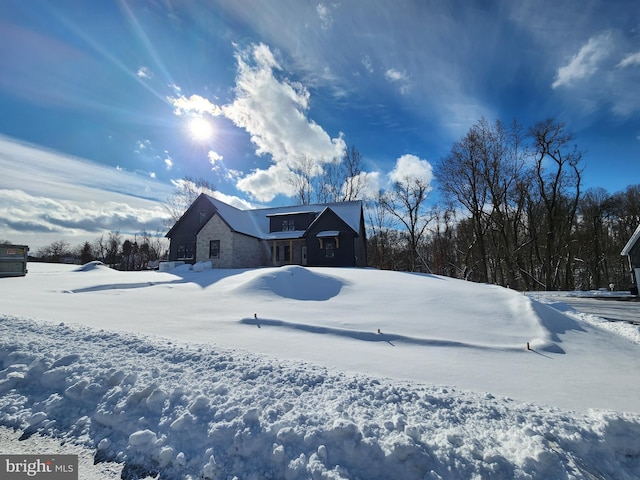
(288,225)
(287,253)
(186,251)
(330,248)
(214,249)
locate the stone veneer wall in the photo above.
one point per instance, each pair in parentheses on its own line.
(248,252)
(236,250)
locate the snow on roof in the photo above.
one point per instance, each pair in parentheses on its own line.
(282,214)
(632,241)
(285,235)
(256,222)
(328,233)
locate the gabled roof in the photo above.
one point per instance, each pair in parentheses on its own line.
(632,241)
(255,222)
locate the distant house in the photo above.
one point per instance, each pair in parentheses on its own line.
(330,234)
(632,250)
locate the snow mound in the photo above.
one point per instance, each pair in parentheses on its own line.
(184,268)
(294,282)
(91,266)
(202,266)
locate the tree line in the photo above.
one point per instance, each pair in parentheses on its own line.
(140,253)
(512,212)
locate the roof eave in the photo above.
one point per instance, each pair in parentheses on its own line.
(632,241)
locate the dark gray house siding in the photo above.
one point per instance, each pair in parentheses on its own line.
(360,245)
(328,250)
(184,233)
(280,222)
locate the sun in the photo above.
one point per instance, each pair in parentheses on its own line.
(201,130)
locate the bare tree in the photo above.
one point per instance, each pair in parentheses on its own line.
(379,236)
(343,179)
(558,178)
(339,180)
(485,173)
(301,178)
(112,248)
(405,201)
(155,246)
(54,251)
(462,180)
(355,182)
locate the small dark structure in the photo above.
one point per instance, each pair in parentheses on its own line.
(13,260)
(328,234)
(632,251)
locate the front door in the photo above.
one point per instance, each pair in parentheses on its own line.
(304,255)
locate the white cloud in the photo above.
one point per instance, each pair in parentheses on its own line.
(394,75)
(214,157)
(399,78)
(324,13)
(274,113)
(142,145)
(144,72)
(234,201)
(54,197)
(411,167)
(370,181)
(631,59)
(219,168)
(367,63)
(168,162)
(264,185)
(585,62)
(193,104)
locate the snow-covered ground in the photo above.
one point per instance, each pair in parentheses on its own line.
(314,373)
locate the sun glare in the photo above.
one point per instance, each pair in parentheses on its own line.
(200,129)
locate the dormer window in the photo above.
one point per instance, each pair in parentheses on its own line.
(290,221)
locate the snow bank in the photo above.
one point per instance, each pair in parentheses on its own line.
(203,412)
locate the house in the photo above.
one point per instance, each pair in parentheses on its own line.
(632,250)
(330,234)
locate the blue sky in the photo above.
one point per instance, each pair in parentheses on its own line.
(116,86)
